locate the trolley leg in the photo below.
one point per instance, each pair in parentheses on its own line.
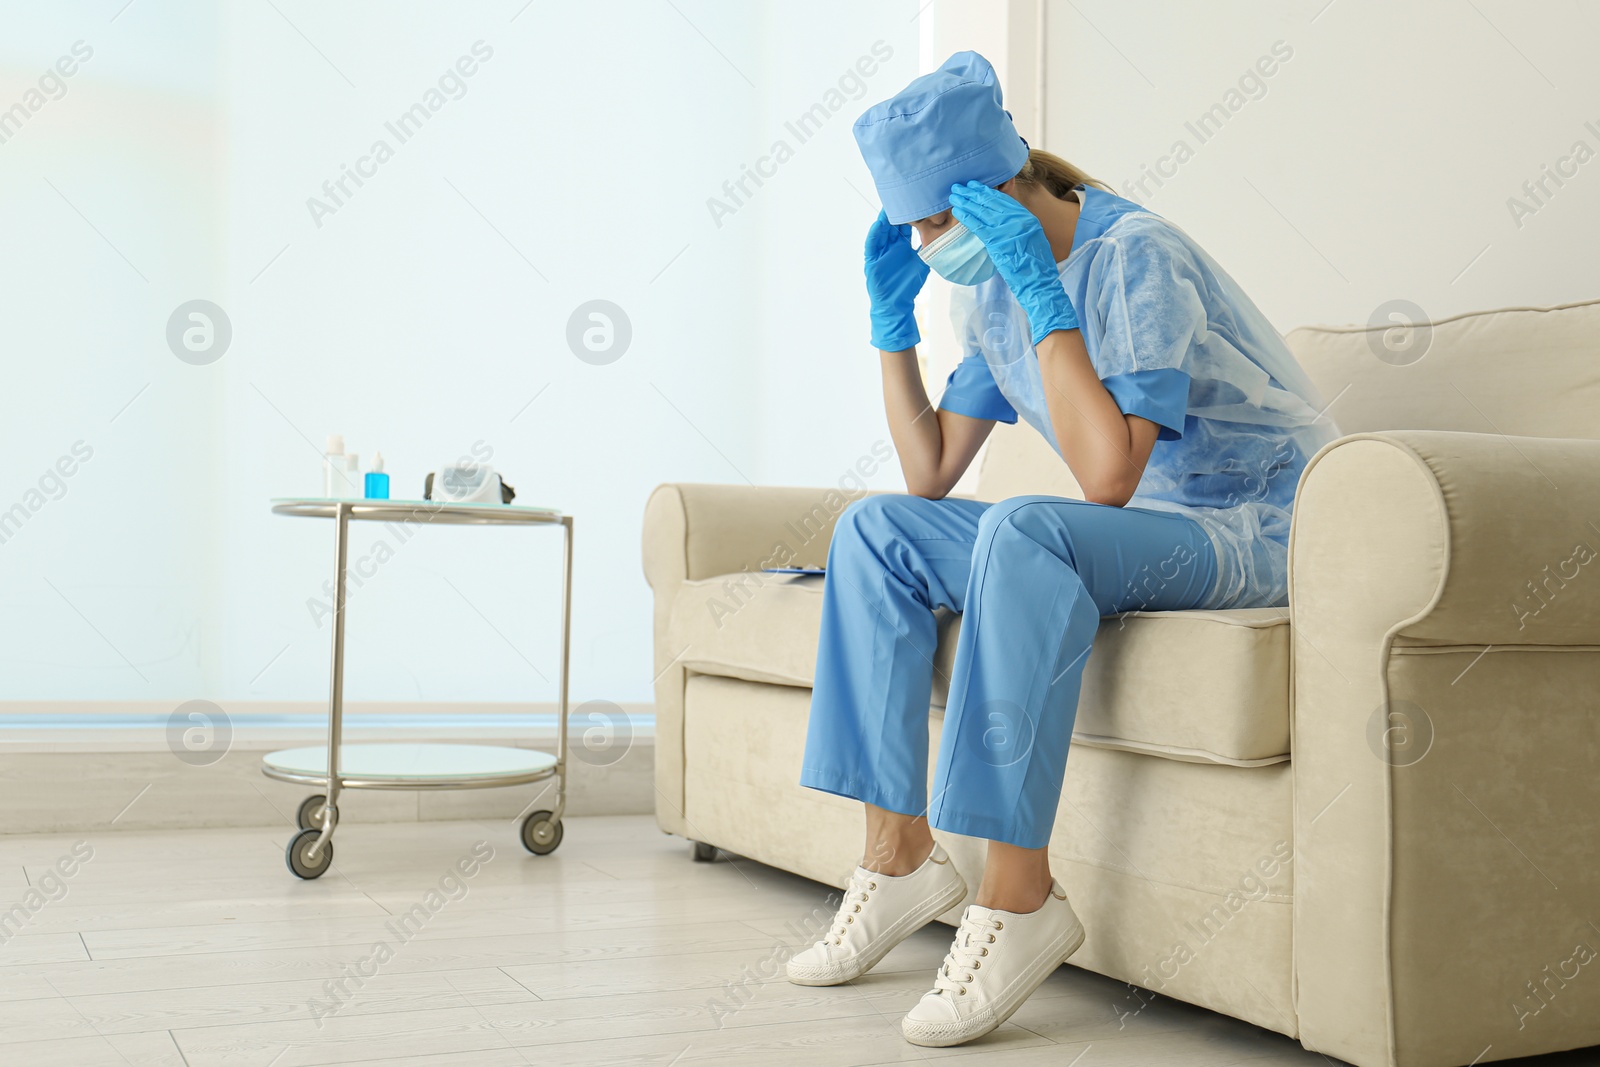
(566,659)
(341,545)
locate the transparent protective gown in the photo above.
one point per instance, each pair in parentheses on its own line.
(1175,340)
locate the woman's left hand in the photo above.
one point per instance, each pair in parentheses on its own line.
(1021,252)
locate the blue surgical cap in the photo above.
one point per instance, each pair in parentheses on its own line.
(944,129)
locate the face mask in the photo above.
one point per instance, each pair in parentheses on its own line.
(958,256)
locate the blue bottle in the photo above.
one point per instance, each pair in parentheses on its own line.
(377,482)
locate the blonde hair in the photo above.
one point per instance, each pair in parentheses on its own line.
(1054,174)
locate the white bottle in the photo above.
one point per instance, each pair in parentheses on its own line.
(350,479)
(333,467)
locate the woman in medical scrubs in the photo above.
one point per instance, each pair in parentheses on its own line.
(1184,419)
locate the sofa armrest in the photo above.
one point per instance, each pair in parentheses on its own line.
(1444,589)
(1460,536)
(700,531)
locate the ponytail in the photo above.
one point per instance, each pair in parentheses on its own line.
(1054,174)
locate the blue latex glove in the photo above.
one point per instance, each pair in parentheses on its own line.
(1021,253)
(895,274)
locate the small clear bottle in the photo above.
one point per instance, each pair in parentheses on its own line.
(349,487)
(333,467)
(377,481)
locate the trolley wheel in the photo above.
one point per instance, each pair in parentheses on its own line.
(541,833)
(303,865)
(704,853)
(310,814)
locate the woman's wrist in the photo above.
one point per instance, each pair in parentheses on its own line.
(902,337)
(1053,335)
(1048,309)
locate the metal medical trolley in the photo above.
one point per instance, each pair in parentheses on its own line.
(337,766)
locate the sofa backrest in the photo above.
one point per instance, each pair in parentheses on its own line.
(1531,372)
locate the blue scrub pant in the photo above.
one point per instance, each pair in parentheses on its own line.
(1031,576)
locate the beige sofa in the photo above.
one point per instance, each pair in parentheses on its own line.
(1371,820)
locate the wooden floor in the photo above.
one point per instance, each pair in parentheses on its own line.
(198,948)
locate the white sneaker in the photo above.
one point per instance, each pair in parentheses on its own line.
(878,912)
(998,959)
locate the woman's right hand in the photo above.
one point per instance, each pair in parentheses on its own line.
(895,274)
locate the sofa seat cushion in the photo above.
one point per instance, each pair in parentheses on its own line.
(1200,686)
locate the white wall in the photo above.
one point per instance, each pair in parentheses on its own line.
(1374,164)
(1377,164)
(413,319)
(408,323)
(110,203)
(821,402)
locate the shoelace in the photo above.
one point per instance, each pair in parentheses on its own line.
(971,944)
(862,883)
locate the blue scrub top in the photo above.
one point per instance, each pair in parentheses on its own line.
(972,389)
(1176,341)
